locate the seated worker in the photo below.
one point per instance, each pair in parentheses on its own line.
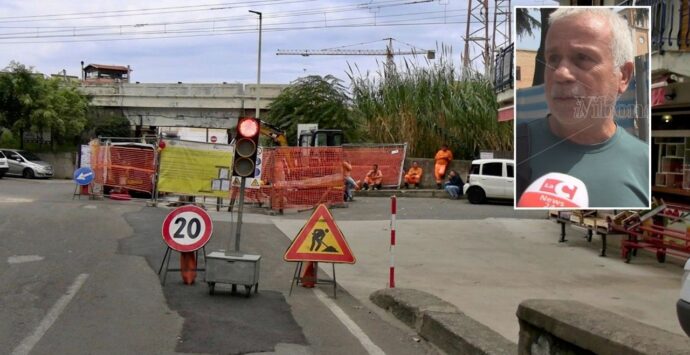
(413,176)
(350,184)
(373,178)
(454,185)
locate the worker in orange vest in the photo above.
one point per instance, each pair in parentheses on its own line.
(413,176)
(442,159)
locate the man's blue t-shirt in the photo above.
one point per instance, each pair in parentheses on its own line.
(616,172)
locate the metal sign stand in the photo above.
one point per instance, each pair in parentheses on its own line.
(166,262)
(234,268)
(298,271)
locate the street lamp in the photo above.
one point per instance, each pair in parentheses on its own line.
(258,73)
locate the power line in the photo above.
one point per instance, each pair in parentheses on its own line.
(137,12)
(198,8)
(334,23)
(225,33)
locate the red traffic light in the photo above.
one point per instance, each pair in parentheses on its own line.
(248,127)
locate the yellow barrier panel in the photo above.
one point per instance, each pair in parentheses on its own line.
(195,169)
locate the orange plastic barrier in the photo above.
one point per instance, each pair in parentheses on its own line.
(131,168)
(306,177)
(390,159)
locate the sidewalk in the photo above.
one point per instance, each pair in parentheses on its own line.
(486,267)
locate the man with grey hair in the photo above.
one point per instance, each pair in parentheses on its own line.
(589,64)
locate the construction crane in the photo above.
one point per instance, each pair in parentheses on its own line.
(388,52)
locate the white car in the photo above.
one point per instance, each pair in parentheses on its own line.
(27,164)
(683,304)
(490,178)
(3,165)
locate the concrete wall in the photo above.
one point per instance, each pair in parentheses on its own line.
(428,179)
(571,327)
(63,163)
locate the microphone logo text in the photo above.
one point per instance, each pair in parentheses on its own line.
(559,188)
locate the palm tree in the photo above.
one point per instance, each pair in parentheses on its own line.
(524,22)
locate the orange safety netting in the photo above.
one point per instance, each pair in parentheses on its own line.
(131,168)
(261,195)
(299,177)
(306,177)
(390,159)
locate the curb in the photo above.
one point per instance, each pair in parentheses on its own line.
(425,193)
(442,323)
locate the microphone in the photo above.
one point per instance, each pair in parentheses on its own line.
(555,190)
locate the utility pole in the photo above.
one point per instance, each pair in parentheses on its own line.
(479,38)
(258,72)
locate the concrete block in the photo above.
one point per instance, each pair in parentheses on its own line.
(442,323)
(550,324)
(409,304)
(456,333)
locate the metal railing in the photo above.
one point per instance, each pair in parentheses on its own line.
(670,29)
(503,66)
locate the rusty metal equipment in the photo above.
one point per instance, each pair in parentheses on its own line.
(586,220)
(665,230)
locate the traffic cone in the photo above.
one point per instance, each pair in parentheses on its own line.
(309,275)
(188,267)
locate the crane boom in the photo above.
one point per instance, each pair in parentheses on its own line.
(308,52)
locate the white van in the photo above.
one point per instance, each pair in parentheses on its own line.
(490,178)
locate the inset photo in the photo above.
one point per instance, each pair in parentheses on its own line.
(582,107)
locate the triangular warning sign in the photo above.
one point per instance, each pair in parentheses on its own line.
(255,182)
(320,240)
(235,181)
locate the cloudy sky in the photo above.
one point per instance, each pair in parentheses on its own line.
(216,41)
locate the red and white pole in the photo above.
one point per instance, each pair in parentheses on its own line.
(394,207)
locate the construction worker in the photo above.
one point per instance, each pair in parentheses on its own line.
(413,176)
(350,184)
(373,178)
(442,159)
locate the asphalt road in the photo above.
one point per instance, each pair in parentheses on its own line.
(80,277)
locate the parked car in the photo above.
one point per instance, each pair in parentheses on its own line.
(26,164)
(683,304)
(3,165)
(489,178)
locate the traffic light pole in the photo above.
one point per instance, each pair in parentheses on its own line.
(240,209)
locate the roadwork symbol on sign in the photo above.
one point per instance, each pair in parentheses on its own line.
(187,228)
(320,240)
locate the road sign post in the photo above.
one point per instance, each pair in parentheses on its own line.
(186,229)
(319,240)
(83,177)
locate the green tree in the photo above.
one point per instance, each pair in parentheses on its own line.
(524,22)
(314,99)
(429,106)
(29,102)
(20,90)
(61,110)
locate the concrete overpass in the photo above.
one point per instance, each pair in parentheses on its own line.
(181,105)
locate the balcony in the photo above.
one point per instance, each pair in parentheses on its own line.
(503,64)
(670,36)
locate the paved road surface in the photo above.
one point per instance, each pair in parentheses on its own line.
(80,277)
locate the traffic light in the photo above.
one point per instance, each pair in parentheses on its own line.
(246,146)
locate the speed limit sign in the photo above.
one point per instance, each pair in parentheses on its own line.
(187,228)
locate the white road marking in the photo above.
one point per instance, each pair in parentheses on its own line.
(29,342)
(369,345)
(15,200)
(18,259)
(90,207)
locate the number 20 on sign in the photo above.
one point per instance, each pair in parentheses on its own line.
(187,228)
